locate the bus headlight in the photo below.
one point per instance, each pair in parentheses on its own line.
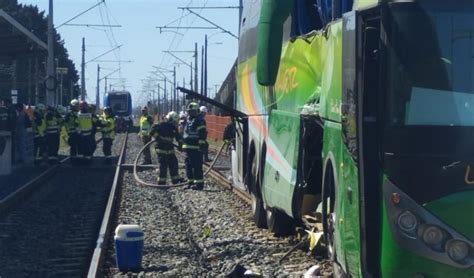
(432,235)
(457,250)
(407,221)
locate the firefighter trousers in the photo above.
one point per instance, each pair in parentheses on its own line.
(39,148)
(73,142)
(193,161)
(107,147)
(87,146)
(168,161)
(52,142)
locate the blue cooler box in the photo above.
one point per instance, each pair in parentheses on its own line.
(129,247)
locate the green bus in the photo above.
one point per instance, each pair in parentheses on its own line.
(365,109)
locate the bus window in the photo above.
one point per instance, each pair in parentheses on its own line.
(305,18)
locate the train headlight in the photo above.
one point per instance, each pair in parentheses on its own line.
(407,221)
(457,250)
(432,235)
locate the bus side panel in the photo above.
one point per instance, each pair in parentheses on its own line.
(281,160)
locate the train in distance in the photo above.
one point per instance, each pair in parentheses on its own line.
(121,104)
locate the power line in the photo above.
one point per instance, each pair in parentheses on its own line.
(103,1)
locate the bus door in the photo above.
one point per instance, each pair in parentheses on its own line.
(362,223)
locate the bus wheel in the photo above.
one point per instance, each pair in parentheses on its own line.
(278,222)
(258,211)
(329,215)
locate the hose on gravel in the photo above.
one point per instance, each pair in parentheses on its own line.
(142,182)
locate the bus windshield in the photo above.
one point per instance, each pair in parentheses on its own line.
(430,75)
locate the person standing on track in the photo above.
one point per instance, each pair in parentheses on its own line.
(86,123)
(39,128)
(146,121)
(194,138)
(53,128)
(164,133)
(203,113)
(71,124)
(108,133)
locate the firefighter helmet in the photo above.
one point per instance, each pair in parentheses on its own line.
(74,103)
(172,117)
(193,106)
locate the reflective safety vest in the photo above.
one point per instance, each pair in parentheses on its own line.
(39,124)
(108,126)
(71,122)
(145,125)
(84,124)
(53,124)
(195,133)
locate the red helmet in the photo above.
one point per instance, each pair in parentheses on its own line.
(83,105)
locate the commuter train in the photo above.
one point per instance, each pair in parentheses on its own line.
(121,104)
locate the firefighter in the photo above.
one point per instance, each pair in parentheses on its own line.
(96,126)
(164,133)
(71,124)
(108,133)
(39,128)
(53,128)
(86,123)
(182,122)
(203,113)
(194,141)
(146,121)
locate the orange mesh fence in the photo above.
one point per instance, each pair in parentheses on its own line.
(216,126)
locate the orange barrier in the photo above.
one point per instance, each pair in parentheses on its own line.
(216,126)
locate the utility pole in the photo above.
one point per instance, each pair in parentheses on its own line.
(97,94)
(83,70)
(205,65)
(165,100)
(191,78)
(174,89)
(105,87)
(50,83)
(202,70)
(196,66)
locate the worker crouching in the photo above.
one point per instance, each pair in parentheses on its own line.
(165,133)
(194,141)
(108,133)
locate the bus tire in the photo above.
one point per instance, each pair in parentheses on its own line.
(328,212)
(278,222)
(258,210)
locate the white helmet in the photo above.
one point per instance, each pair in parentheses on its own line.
(61,109)
(172,117)
(75,103)
(40,107)
(203,109)
(182,115)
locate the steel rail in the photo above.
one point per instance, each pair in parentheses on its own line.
(26,189)
(101,248)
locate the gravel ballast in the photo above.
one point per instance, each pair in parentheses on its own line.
(199,233)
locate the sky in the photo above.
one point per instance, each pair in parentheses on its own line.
(142,43)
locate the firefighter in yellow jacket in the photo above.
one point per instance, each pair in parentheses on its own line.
(146,121)
(108,133)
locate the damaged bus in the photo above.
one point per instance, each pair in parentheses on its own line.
(364,109)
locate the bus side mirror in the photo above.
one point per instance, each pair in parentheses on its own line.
(270,38)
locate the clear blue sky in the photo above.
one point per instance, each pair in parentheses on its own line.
(142,42)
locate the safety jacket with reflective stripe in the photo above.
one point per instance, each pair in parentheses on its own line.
(70,123)
(195,133)
(39,124)
(145,125)
(53,123)
(165,133)
(108,126)
(85,123)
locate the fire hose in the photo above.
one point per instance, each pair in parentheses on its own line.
(142,182)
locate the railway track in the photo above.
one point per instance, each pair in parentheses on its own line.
(50,225)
